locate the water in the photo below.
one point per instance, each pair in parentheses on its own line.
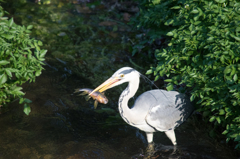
(63,125)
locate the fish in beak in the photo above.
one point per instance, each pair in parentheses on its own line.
(97,96)
(111,82)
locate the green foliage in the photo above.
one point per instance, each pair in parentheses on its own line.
(20,60)
(87,47)
(203,52)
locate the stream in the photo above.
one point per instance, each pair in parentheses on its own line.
(63,125)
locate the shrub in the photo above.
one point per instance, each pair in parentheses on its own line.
(18,63)
(203,52)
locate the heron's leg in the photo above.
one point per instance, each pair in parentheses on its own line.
(150,148)
(171,135)
(149,137)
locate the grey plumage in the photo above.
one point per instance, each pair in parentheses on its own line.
(155,110)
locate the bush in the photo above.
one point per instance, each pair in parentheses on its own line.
(18,64)
(203,52)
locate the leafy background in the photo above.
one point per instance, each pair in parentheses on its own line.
(21,60)
(201,57)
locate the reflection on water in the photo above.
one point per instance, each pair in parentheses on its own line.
(65,126)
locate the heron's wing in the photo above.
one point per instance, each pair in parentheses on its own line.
(170,110)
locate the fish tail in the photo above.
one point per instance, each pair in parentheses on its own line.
(83,90)
(83,93)
(87,97)
(77,90)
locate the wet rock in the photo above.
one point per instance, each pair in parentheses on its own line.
(84,9)
(114,35)
(126,17)
(48,156)
(107,23)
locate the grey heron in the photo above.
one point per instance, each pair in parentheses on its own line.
(154,110)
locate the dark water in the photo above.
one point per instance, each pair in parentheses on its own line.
(65,126)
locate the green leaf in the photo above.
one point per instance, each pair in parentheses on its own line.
(235,77)
(170,87)
(218,120)
(156,78)
(176,7)
(168,80)
(40,43)
(149,72)
(237,38)
(2,23)
(42,53)
(192,97)
(26,109)
(8,72)
(227,70)
(21,100)
(197,22)
(233,71)
(3,78)
(9,37)
(29,27)
(162,72)
(41,59)
(210,38)
(169,33)
(234,135)
(27,100)
(11,22)
(168,22)
(16,91)
(19,93)
(156,2)
(195,11)
(221,112)
(220,1)
(225,132)
(17,88)
(222,58)
(38,72)
(212,118)
(4,62)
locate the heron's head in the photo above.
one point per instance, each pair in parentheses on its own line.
(125,74)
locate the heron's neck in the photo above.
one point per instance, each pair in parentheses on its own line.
(128,93)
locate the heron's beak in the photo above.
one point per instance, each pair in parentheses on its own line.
(106,85)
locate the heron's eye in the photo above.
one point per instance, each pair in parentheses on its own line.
(122,75)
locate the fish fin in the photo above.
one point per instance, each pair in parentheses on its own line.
(83,93)
(87,97)
(95,104)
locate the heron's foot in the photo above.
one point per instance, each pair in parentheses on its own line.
(150,150)
(150,147)
(174,149)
